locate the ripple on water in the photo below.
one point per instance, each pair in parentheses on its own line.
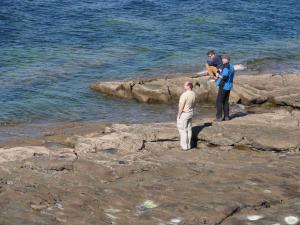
(51,51)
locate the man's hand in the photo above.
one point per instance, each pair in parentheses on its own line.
(180,110)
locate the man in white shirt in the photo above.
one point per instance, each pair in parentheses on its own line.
(185,114)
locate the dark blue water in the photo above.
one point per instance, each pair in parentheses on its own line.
(52,50)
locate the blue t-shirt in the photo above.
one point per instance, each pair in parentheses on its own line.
(227,80)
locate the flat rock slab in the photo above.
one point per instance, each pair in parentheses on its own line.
(158,185)
(248,89)
(127,138)
(137,174)
(277,131)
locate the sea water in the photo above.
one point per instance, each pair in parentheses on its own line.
(52,50)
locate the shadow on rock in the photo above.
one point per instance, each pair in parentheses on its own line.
(195,132)
(240,114)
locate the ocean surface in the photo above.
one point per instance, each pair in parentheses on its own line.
(52,50)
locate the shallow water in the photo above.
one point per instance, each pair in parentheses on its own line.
(51,51)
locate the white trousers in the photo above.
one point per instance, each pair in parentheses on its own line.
(184,125)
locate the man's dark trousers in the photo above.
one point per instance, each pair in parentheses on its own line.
(223,103)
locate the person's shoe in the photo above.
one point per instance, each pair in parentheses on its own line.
(185,149)
(218,120)
(226,119)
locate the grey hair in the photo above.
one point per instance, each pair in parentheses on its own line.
(190,84)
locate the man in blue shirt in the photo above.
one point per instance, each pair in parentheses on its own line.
(214,63)
(225,83)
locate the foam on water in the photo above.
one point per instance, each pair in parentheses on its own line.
(239,67)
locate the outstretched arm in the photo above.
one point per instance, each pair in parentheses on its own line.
(224,74)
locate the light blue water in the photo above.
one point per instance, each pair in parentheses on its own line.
(52,50)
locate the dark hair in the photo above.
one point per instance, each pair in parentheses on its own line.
(211,52)
(226,57)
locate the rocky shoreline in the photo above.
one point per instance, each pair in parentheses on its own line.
(239,171)
(282,90)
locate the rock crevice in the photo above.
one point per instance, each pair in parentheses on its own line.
(260,205)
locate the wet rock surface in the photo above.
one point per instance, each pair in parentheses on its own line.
(137,174)
(248,89)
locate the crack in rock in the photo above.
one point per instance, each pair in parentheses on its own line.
(154,141)
(76,158)
(169,91)
(262,205)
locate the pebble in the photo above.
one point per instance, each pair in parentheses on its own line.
(267,191)
(9,182)
(251,183)
(291,220)
(112,210)
(58,205)
(254,217)
(175,221)
(62,220)
(148,204)
(112,217)
(108,191)
(38,207)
